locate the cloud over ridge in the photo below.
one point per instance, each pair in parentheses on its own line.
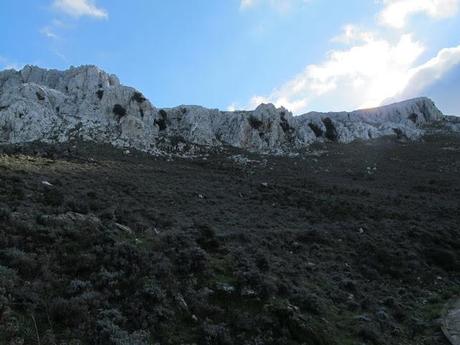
(371,67)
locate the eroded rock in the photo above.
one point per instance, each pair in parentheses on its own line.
(87,103)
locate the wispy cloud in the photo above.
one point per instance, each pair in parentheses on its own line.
(56,29)
(396,13)
(80,8)
(48,32)
(60,55)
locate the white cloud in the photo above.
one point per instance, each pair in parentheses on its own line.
(364,74)
(396,13)
(373,67)
(79,8)
(422,76)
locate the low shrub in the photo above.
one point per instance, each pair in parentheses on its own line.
(255,122)
(138,97)
(100,94)
(53,197)
(119,111)
(316,129)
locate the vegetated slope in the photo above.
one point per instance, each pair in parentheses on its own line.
(344,244)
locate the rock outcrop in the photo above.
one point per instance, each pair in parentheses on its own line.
(86,103)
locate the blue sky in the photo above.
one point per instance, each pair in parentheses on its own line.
(303,54)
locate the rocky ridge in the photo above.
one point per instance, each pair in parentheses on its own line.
(89,104)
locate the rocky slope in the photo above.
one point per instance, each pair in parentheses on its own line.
(87,103)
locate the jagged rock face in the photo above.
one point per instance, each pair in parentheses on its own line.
(404,118)
(266,128)
(87,103)
(84,102)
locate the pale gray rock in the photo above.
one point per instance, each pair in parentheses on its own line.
(404,118)
(450,123)
(87,103)
(266,128)
(83,102)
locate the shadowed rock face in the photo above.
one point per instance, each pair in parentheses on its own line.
(87,103)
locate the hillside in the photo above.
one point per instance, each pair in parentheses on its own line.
(343,244)
(125,224)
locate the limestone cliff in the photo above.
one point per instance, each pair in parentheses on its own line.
(87,103)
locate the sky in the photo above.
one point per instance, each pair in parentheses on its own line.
(305,55)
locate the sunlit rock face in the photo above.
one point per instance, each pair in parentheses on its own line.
(83,102)
(89,104)
(264,129)
(403,119)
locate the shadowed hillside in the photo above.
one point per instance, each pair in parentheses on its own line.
(344,244)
